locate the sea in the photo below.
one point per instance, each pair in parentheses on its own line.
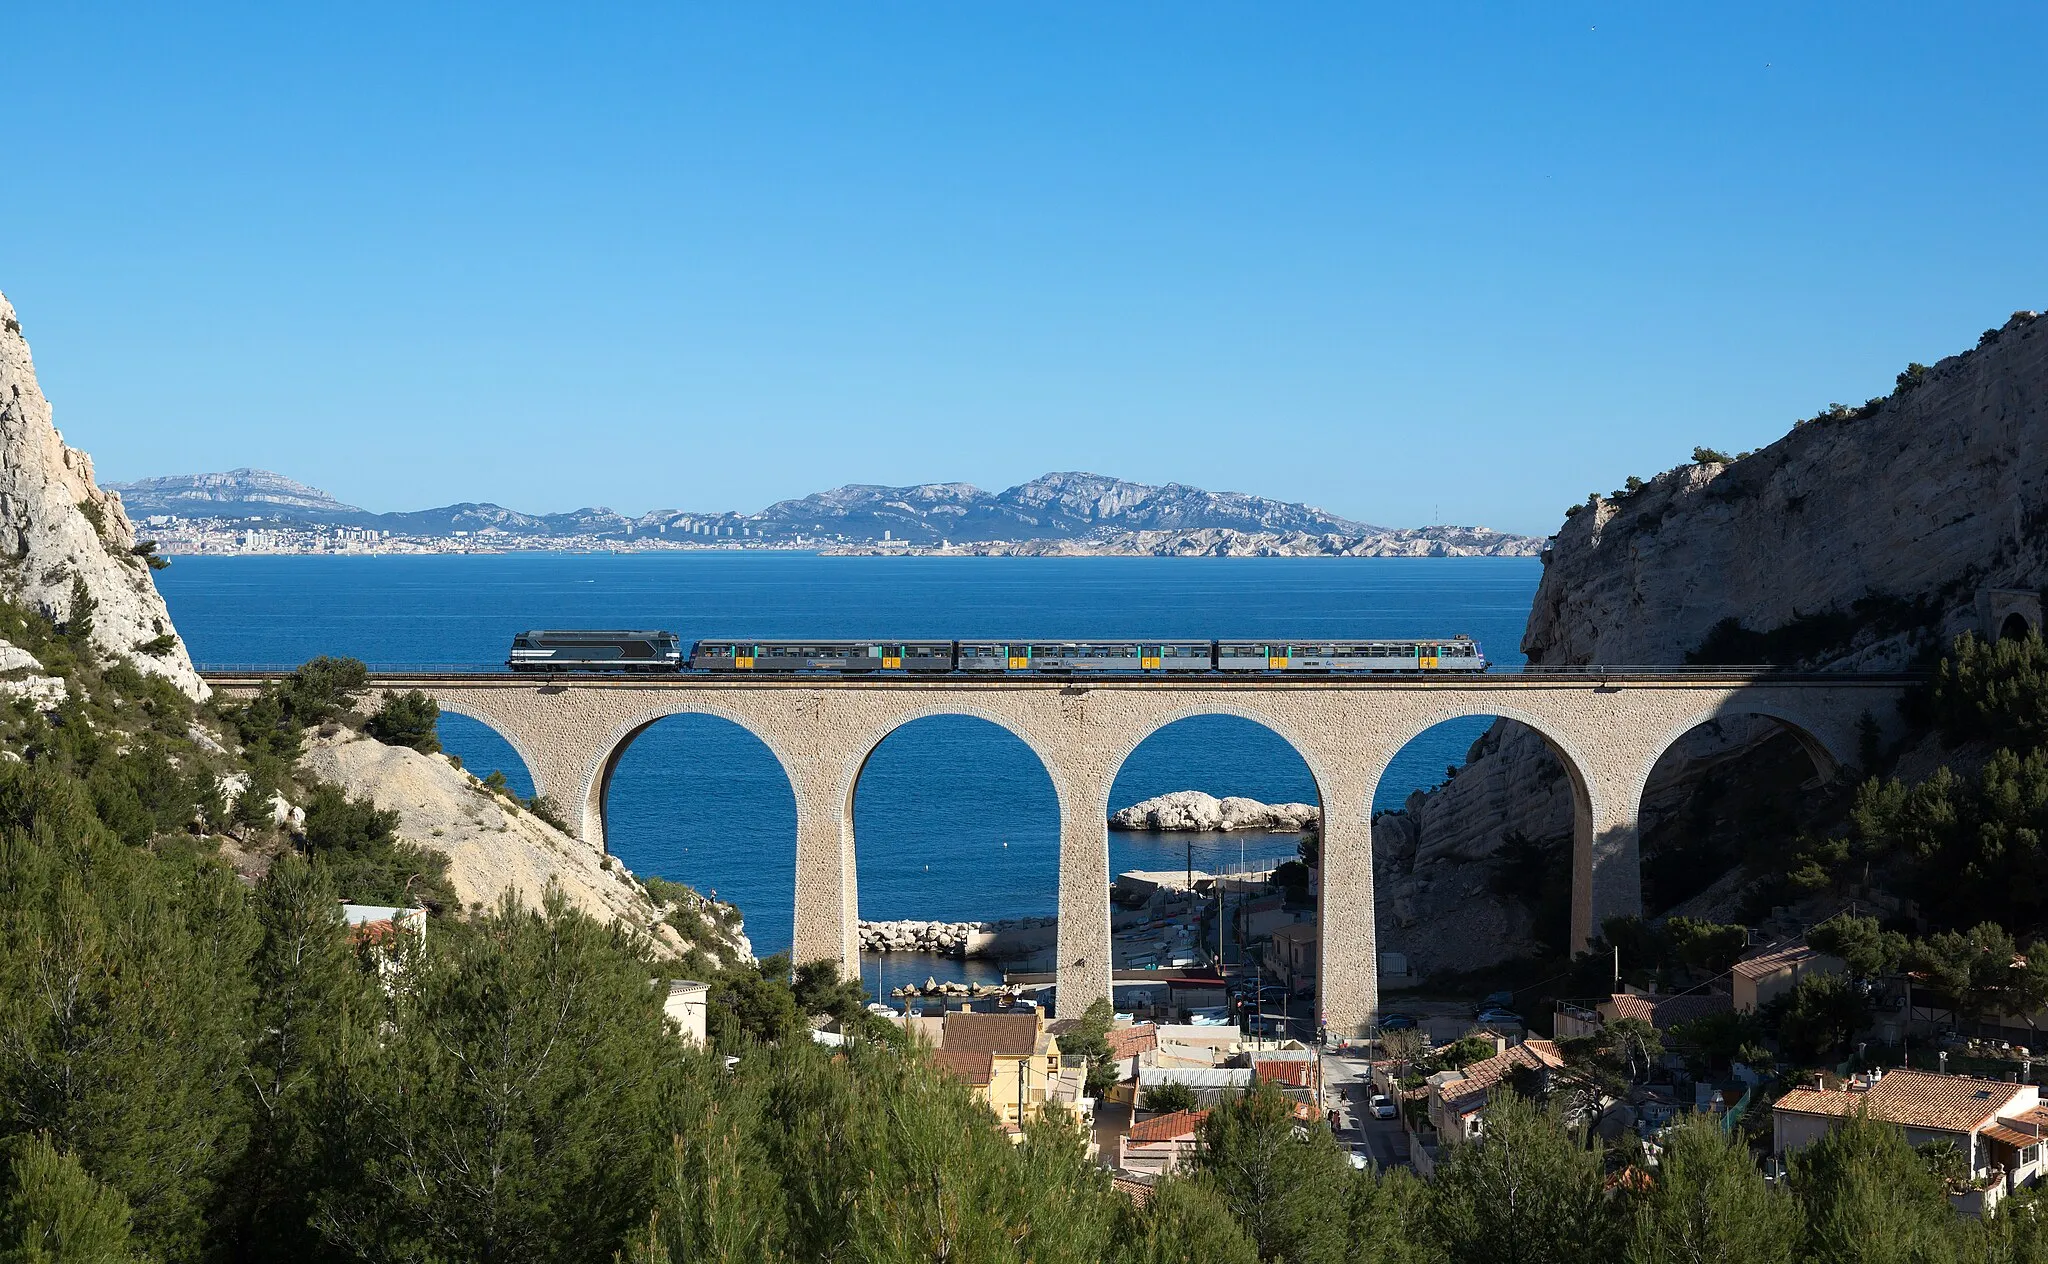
(954,818)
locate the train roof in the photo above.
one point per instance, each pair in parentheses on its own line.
(593,632)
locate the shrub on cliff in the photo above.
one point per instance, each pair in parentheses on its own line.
(359,845)
(1994,692)
(407,719)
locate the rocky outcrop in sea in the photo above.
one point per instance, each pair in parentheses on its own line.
(1862,538)
(1193,811)
(59,529)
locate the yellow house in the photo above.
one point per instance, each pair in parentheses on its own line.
(1010,1061)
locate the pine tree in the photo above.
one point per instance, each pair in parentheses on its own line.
(124,1004)
(1525,1189)
(1869,1199)
(315,1007)
(1185,1222)
(1708,1202)
(1290,1192)
(519,1105)
(53,1212)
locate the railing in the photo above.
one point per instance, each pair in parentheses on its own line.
(1594,672)
(1733,1115)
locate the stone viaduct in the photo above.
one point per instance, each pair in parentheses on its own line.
(1606,730)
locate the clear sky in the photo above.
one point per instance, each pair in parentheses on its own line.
(1461,263)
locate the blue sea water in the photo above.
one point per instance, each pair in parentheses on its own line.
(953,817)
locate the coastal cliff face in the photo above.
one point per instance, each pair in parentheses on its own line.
(57,526)
(1938,493)
(1864,538)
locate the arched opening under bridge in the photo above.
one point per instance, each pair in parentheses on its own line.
(1254,913)
(483,750)
(1476,851)
(698,799)
(2015,627)
(1723,809)
(955,820)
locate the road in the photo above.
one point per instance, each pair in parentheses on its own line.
(1347,1083)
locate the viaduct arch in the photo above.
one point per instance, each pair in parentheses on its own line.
(1607,730)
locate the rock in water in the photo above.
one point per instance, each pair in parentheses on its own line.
(57,526)
(1191,810)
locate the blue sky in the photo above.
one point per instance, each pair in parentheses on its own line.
(1459,263)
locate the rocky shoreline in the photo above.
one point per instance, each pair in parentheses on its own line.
(956,939)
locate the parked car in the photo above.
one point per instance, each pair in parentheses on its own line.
(1499,1018)
(1398,1022)
(1361,1157)
(1382,1106)
(1497,1000)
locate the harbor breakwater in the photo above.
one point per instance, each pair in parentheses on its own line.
(1010,937)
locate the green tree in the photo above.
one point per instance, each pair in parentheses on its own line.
(1464,1052)
(358,844)
(1983,971)
(752,1004)
(79,615)
(1869,952)
(1708,1201)
(124,1004)
(1390,1219)
(1289,1191)
(1169,1096)
(316,1008)
(1525,1189)
(1185,1222)
(1869,1199)
(322,688)
(53,1212)
(407,719)
(1993,692)
(519,1105)
(1089,1038)
(1822,1014)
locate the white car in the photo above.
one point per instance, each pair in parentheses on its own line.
(1382,1106)
(1361,1159)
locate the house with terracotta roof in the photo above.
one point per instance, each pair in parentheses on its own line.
(1661,1012)
(1757,981)
(1024,1068)
(1298,1073)
(2000,1128)
(1159,1145)
(1457,1097)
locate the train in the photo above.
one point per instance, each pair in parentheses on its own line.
(642,651)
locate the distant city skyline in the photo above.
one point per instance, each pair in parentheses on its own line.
(1407,267)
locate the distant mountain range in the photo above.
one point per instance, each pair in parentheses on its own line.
(1055,507)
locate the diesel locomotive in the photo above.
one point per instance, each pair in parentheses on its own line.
(605,651)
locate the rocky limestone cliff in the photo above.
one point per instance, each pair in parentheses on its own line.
(1941,490)
(1865,537)
(492,846)
(57,526)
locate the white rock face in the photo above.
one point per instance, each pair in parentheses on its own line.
(1191,810)
(15,658)
(491,848)
(48,503)
(1941,492)
(45,693)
